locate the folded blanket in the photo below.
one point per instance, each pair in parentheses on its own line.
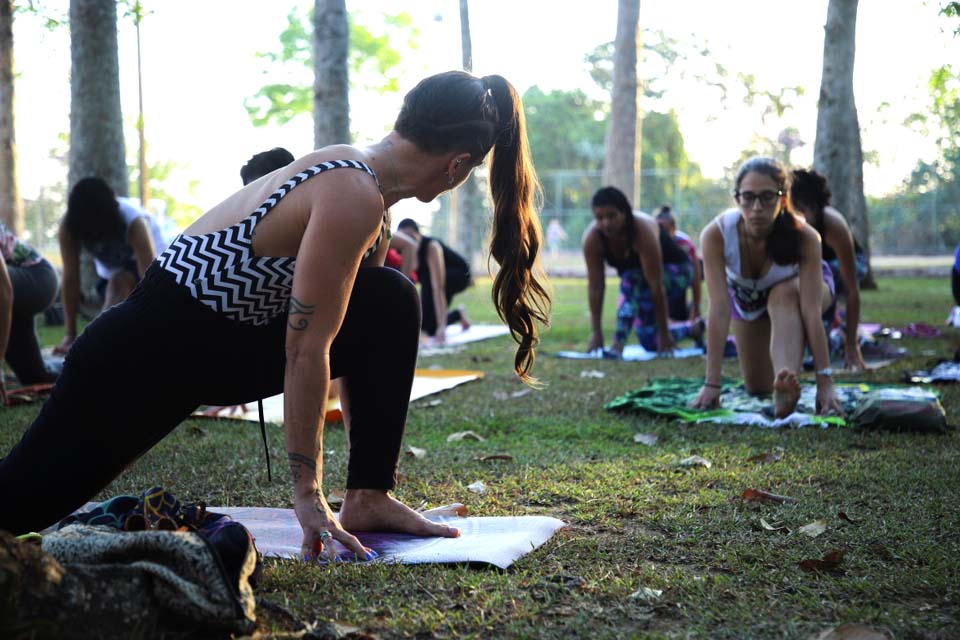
(94,581)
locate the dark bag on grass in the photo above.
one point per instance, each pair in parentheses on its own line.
(893,410)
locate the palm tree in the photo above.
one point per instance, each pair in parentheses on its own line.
(11,205)
(837,152)
(622,159)
(331,101)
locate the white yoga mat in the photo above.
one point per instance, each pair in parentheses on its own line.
(456,336)
(631,353)
(498,541)
(426,382)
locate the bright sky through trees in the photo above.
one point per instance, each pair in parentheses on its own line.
(200,63)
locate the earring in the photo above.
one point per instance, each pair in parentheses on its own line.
(449,179)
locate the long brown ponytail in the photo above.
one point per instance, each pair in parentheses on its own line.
(520,289)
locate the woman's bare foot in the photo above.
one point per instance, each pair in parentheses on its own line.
(374,510)
(464,320)
(786,393)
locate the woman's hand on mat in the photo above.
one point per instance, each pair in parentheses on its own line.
(665,344)
(64,346)
(321,528)
(708,398)
(596,341)
(828,403)
(852,358)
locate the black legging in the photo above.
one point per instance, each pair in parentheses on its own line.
(162,353)
(456,281)
(34,289)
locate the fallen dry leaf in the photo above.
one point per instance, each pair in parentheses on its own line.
(853,631)
(500,395)
(434,403)
(592,373)
(335,496)
(765,496)
(766,458)
(813,529)
(648,439)
(416,452)
(495,456)
(460,435)
(843,516)
(521,393)
(696,461)
(829,562)
(454,509)
(769,527)
(477,487)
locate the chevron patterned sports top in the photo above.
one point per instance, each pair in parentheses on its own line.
(221,270)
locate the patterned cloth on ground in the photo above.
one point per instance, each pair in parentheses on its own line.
(672,397)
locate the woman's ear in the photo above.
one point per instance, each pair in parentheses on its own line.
(458,164)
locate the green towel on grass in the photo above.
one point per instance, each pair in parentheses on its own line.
(672,397)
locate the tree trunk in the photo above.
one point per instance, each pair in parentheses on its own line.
(837,152)
(622,161)
(96,123)
(331,91)
(469,203)
(11,205)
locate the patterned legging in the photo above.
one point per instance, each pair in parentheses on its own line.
(635,310)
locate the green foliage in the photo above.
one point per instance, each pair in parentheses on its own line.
(372,61)
(566,129)
(926,209)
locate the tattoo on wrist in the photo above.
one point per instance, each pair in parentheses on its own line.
(299,458)
(297,316)
(297,462)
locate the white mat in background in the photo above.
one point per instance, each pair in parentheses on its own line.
(631,353)
(455,336)
(426,382)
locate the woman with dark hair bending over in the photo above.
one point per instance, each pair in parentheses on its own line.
(636,246)
(810,196)
(764,270)
(289,269)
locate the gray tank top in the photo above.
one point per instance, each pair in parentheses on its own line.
(749,295)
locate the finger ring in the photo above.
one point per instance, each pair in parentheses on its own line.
(324,535)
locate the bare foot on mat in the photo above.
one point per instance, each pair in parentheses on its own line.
(786,393)
(373,510)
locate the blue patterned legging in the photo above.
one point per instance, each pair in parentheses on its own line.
(635,311)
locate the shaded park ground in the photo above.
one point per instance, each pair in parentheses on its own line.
(652,548)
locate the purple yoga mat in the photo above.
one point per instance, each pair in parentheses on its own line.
(499,541)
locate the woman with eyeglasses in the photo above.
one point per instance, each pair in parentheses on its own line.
(764,271)
(810,196)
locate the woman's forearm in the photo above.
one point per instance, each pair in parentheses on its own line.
(718,324)
(306,381)
(853,314)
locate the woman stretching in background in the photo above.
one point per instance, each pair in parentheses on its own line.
(764,270)
(650,266)
(810,196)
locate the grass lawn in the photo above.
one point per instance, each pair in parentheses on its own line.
(637,519)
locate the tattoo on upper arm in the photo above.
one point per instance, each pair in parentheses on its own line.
(297,317)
